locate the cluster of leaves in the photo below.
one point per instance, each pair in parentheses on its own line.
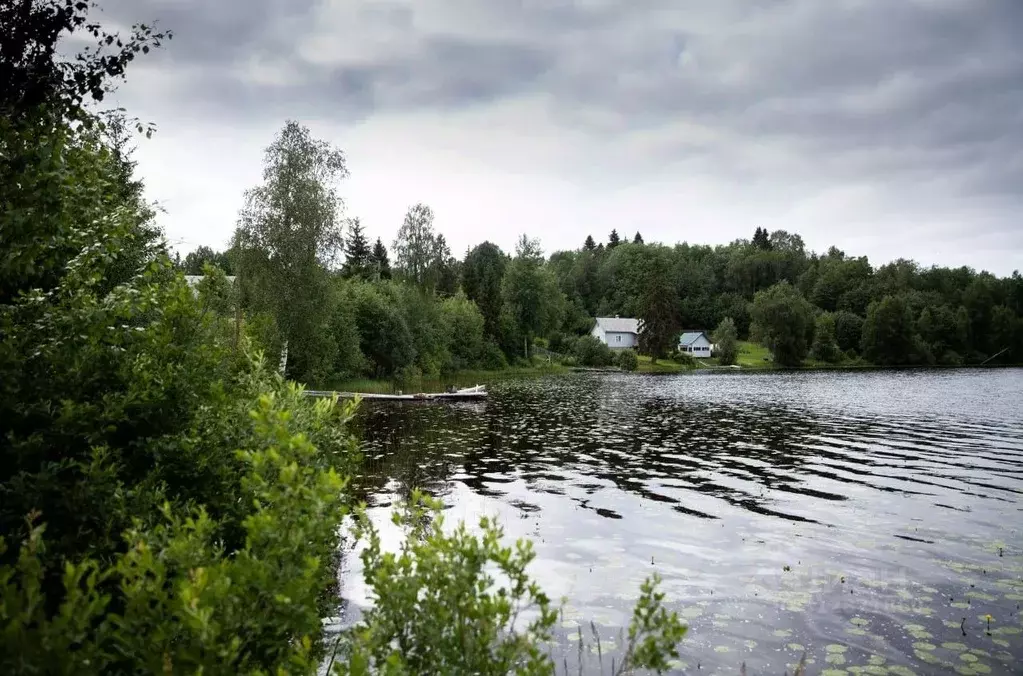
(462,603)
(589,351)
(627,360)
(174,597)
(396,329)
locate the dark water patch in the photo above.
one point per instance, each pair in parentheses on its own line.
(869,519)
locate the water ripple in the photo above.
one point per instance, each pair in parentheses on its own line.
(805,509)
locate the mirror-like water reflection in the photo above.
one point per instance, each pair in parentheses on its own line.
(870,518)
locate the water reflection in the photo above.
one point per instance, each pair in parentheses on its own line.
(778,507)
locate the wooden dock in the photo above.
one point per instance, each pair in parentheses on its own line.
(471,394)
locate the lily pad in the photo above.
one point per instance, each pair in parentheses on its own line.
(923,645)
(835,648)
(952,645)
(860,621)
(798,647)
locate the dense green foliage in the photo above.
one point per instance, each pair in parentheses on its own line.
(660,320)
(590,351)
(825,343)
(957,316)
(627,360)
(726,342)
(166,505)
(783,321)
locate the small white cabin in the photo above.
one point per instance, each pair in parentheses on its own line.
(696,343)
(617,333)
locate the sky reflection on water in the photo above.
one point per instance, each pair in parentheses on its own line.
(892,498)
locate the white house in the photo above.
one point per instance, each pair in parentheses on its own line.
(616,332)
(695,343)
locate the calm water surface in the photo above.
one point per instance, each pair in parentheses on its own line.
(871,519)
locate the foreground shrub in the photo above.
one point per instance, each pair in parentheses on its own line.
(627,360)
(150,523)
(440,609)
(174,600)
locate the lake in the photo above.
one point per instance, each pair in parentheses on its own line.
(870,518)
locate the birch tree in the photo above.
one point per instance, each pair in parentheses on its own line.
(289,233)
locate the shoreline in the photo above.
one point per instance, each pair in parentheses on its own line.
(440,383)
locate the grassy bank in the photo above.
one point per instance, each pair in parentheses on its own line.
(753,356)
(661,366)
(439,384)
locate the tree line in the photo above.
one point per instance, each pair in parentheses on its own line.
(431,313)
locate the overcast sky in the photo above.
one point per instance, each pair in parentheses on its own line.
(891,128)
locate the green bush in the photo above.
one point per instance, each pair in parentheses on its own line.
(174,599)
(439,609)
(627,360)
(589,351)
(685,359)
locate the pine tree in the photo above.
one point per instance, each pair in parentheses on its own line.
(378,261)
(638,239)
(589,245)
(614,240)
(761,239)
(659,310)
(357,251)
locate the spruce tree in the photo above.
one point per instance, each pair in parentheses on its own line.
(379,262)
(589,245)
(614,240)
(638,239)
(357,251)
(761,240)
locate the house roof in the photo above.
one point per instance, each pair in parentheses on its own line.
(618,324)
(690,337)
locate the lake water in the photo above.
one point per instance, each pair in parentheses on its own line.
(871,518)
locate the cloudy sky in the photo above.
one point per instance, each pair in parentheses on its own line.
(891,128)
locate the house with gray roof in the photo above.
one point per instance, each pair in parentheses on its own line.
(696,343)
(617,333)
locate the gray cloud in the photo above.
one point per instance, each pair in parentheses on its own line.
(921,97)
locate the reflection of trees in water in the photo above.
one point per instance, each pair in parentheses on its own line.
(619,430)
(414,445)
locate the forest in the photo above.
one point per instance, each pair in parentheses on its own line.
(427,313)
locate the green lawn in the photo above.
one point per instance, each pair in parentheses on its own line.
(662,366)
(753,356)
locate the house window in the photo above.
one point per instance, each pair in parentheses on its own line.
(618,339)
